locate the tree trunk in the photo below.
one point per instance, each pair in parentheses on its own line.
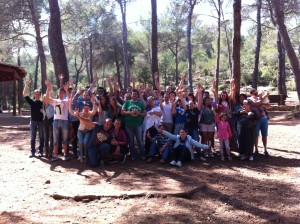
(91,59)
(218,8)
(56,45)
(287,43)
(122,4)
(236,45)
(117,65)
(39,41)
(192,4)
(258,43)
(36,72)
(154,40)
(281,75)
(228,46)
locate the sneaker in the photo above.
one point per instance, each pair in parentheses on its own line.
(256,153)
(162,161)
(251,158)
(113,161)
(149,160)
(53,159)
(229,158)
(243,157)
(179,164)
(123,159)
(222,158)
(32,156)
(173,163)
(202,159)
(239,155)
(266,154)
(66,158)
(40,154)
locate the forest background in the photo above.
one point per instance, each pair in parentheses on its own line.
(202,38)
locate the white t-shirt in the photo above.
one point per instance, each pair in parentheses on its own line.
(167,116)
(61,110)
(151,119)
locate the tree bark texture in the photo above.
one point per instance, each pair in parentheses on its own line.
(287,43)
(218,8)
(236,45)
(56,45)
(122,4)
(258,44)
(281,75)
(154,44)
(36,72)
(39,42)
(192,4)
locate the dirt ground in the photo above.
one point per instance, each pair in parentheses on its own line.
(265,190)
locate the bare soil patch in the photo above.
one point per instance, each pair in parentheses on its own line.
(263,191)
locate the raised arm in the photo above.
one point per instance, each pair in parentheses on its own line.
(157,85)
(48,92)
(25,91)
(200,96)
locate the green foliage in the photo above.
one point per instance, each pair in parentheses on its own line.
(291,85)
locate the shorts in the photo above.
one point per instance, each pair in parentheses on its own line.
(207,127)
(63,126)
(262,125)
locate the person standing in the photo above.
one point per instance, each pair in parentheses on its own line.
(48,112)
(134,112)
(60,123)
(36,121)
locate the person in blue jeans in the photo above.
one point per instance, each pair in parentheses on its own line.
(99,146)
(36,121)
(159,144)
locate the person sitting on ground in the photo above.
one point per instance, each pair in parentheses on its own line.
(183,147)
(99,144)
(119,143)
(36,121)
(159,143)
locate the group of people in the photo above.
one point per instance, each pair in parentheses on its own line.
(171,123)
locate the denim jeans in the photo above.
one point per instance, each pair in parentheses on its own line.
(155,147)
(194,133)
(137,133)
(62,125)
(34,127)
(48,135)
(83,136)
(97,153)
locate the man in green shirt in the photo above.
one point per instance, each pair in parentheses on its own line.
(134,113)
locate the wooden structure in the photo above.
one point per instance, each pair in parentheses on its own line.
(12,73)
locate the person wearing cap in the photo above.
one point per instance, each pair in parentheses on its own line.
(247,118)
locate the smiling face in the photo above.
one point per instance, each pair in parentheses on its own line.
(182,134)
(37,94)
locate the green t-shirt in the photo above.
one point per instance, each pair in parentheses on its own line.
(133,121)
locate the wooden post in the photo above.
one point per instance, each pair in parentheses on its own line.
(14,96)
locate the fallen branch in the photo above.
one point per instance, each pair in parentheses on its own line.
(87,198)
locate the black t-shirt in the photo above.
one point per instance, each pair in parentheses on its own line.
(192,116)
(99,136)
(36,107)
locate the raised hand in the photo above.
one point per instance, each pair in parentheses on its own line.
(27,81)
(60,77)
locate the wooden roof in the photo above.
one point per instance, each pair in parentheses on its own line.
(10,72)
